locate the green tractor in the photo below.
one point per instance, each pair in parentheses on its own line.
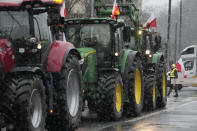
(112,74)
(113,62)
(154,70)
(148,44)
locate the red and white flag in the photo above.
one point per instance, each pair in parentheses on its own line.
(63,11)
(181,68)
(151,22)
(115,11)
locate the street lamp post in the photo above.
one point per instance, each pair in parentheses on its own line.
(180,28)
(168,34)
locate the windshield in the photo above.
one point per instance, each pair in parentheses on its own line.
(42,30)
(13,22)
(89,35)
(15,25)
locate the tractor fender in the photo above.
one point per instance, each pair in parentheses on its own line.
(27,69)
(58,53)
(128,57)
(7,56)
(157,57)
(22,70)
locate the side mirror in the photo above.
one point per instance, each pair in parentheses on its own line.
(157,44)
(127,34)
(158,39)
(54,18)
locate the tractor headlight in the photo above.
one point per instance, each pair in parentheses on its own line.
(147,52)
(81,61)
(39,46)
(117,54)
(150,56)
(140,32)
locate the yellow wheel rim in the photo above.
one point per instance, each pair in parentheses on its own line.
(154,92)
(118,97)
(164,84)
(138,86)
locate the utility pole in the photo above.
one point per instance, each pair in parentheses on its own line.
(92,8)
(175,44)
(180,28)
(168,35)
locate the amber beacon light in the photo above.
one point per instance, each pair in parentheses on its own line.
(58,1)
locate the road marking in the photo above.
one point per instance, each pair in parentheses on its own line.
(148,115)
(159,112)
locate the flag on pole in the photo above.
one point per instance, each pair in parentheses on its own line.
(151,22)
(115,11)
(63,11)
(181,68)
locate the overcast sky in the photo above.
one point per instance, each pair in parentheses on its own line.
(159,4)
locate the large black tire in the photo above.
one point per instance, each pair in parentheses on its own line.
(110,96)
(150,93)
(24,103)
(68,109)
(161,84)
(92,105)
(133,82)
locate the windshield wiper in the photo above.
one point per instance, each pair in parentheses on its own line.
(13,18)
(38,27)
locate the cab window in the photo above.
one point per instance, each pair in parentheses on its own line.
(188,51)
(189,65)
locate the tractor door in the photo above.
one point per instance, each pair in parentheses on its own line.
(43,32)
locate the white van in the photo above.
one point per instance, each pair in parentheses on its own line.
(189,55)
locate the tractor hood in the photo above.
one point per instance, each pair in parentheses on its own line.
(84,52)
(89,67)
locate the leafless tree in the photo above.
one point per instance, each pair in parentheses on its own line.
(72,5)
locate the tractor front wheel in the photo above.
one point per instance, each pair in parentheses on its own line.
(133,82)
(150,93)
(161,84)
(110,96)
(26,100)
(67,112)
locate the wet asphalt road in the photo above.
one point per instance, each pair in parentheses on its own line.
(180,114)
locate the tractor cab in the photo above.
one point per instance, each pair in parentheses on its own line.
(151,43)
(24,28)
(102,34)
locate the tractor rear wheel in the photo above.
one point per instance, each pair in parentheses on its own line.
(134,85)
(150,93)
(110,96)
(67,112)
(161,85)
(25,98)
